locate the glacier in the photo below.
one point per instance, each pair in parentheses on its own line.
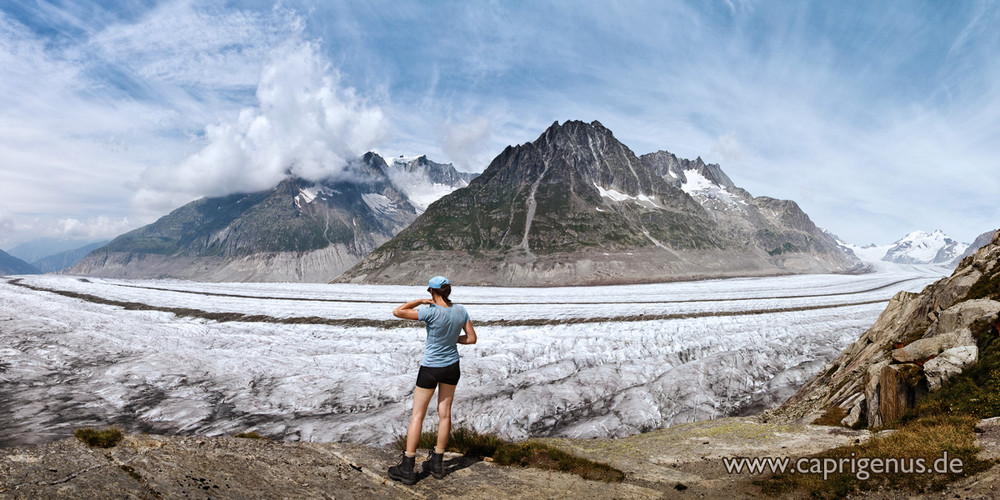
(316,362)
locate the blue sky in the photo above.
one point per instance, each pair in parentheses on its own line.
(878,118)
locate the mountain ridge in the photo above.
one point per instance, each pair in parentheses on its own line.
(13,265)
(62,260)
(920,247)
(299,230)
(576,206)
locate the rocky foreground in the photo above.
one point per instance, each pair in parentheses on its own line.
(680,462)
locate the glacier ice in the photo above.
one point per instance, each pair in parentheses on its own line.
(545,364)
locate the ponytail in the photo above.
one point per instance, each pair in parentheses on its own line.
(443,292)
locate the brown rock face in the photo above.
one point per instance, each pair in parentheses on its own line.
(899,387)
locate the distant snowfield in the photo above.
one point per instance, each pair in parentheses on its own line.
(575,361)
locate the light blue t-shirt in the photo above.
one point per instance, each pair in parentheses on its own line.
(444,326)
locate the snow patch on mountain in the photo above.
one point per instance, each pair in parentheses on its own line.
(702,189)
(308,194)
(420,192)
(871,252)
(696,182)
(379,203)
(642,199)
(402,160)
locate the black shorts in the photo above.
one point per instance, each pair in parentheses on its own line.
(429,378)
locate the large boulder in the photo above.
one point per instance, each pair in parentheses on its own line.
(949,363)
(926,348)
(853,418)
(962,314)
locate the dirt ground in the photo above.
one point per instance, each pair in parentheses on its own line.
(679,462)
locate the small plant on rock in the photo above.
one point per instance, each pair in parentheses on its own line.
(94,438)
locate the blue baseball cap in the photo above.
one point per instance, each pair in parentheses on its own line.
(437,281)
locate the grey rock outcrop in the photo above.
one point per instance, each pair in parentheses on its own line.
(923,349)
(917,343)
(961,315)
(898,388)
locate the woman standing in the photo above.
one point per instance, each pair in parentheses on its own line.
(439,369)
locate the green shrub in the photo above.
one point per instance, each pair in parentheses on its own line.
(106,438)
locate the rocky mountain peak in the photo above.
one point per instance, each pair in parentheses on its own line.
(920,247)
(595,164)
(577,194)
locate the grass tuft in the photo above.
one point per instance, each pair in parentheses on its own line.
(525,454)
(250,435)
(94,438)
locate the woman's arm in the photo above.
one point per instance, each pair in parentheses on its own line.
(470,334)
(408,311)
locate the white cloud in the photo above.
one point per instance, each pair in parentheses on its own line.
(305,124)
(729,148)
(467,144)
(14,230)
(94,228)
(83,118)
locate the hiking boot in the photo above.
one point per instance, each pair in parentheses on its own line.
(434,465)
(404,472)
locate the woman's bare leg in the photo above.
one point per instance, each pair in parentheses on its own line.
(446,394)
(421,398)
